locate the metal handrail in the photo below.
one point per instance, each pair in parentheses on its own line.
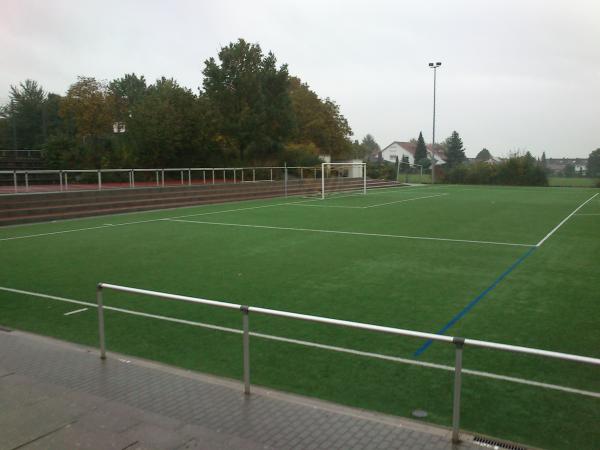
(236,173)
(458,342)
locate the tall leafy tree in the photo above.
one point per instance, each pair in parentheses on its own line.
(126,92)
(88,112)
(319,122)
(455,152)
(370,146)
(543,161)
(164,126)
(249,99)
(27,114)
(593,165)
(421,150)
(484,155)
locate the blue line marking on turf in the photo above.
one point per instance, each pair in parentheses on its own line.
(477,299)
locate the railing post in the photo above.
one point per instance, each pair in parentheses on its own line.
(26,181)
(234,176)
(242,174)
(163,177)
(189,177)
(271,174)
(213,176)
(181,173)
(204,177)
(246,348)
(15,181)
(101,321)
(285,177)
(66,181)
(60,179)
(157,180)
(254,175)
(133,178)
(99,180)
(459,343)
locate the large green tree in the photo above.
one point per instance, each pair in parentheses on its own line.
(483,155)
(370,146)
(249,101)
(27,114)
(126,92)
(88,112)
(593,165)
(455,152)
(421,150)
(319,122)
(164,126)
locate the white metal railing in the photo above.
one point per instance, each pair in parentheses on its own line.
(458,342)
(62,180)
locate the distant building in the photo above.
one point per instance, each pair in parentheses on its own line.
(558,165)
(407,149)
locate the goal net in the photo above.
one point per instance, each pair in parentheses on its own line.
(338,178)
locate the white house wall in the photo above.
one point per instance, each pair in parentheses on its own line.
(390,153)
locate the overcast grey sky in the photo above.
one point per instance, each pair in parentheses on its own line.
(515,75)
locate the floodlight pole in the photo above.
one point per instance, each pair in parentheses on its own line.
(434,66)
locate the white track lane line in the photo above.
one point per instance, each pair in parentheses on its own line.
(351,233)
(476,373)
(564,220)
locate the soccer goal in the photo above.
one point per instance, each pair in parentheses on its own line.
(339,178)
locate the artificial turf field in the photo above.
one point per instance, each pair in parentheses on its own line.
(489,263)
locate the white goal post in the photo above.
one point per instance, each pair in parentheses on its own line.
(343,177)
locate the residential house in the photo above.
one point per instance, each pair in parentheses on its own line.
(407,149)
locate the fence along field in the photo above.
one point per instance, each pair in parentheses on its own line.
(410,258)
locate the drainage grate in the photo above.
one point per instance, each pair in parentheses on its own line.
(495,444)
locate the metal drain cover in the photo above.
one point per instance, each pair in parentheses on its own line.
(419,413)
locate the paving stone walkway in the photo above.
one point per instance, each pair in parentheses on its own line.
(56,395)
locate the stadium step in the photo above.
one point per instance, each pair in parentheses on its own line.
(25,208)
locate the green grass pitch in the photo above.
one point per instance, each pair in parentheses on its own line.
(405,257)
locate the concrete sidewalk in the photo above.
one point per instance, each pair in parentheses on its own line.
(57,395)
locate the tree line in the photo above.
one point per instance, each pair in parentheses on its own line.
(248,111)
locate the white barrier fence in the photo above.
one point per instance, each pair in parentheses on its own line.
(459,342)
(24,181)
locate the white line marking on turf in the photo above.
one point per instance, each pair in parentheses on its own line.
(565,219)
(75,312)
(321,346)
(27,236)
(404,200)
(369,206)
(156,220)
(352,233)
(588,214)
(99,227)
(327,206)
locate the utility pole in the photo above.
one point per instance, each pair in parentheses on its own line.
(434,66)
